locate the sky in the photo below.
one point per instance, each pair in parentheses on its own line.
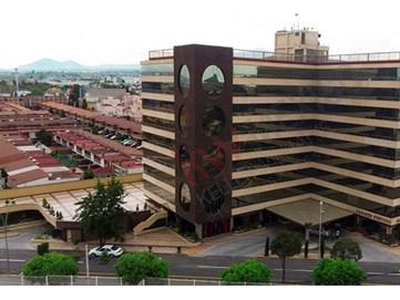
(95,32)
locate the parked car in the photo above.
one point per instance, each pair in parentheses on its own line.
(111,250)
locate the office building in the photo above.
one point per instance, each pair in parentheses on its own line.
(232,133)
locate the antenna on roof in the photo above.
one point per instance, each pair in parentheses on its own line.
(296,21)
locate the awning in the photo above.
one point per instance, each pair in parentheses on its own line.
(307,211)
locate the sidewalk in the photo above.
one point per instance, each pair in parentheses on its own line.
(162,240)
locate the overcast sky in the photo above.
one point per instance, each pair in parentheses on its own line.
(122,31)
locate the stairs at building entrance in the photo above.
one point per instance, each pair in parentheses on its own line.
(159,215)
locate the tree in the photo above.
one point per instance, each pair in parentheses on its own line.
(84,104)
(346,248)
(51,263)
(133,267)
(43,248)
(285,245)
(74,95)
(45,137)
(88,174)
(248,271)
(100,212)
(338,272)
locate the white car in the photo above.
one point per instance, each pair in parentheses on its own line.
(111,250)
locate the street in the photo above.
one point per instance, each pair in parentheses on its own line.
(298,270)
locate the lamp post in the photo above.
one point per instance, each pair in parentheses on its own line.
(321,211)
(4,220)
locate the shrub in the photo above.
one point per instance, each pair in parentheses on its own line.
(43,248)
(248,271)
(75,240)
(346,248)
(104,258)
(338,272)
(51,263)
(133,267)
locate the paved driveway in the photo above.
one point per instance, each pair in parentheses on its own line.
(252,244)
(23,239)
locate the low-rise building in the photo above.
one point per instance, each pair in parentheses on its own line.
(29,165)
(101,151)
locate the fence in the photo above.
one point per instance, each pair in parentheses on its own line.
(189,281)
(272,56)
(60,280)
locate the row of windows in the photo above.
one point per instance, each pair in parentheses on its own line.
(287,73)
(164,177)
(295,108)
(309,91)
(158,140)
(158,87)
(343,181)
(159,158)
(357,148)
(361,203)
(159,123)
(158,105)
(357,130)
(163,194)
(343,163)
(342,74)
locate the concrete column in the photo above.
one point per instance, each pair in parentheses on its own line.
(199,230)
(389,229)
(232,224)
(358,220)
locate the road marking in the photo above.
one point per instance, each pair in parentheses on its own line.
(393,274)
(376,273)
(295,270)
(211,267)
(13,260)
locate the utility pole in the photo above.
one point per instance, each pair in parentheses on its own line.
(16,80)
(87,259)
(321,211)
(5,224)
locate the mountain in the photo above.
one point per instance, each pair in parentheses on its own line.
(47,64)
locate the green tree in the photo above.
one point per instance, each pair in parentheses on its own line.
(346,248)
(133,267)
(74,95)
(285,245)
(248,271)
(45,137)
(84,104)
(338,272)
(100,212)
(43,248)
(88,174)
(51,263)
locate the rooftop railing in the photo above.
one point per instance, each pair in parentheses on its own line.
(272,56)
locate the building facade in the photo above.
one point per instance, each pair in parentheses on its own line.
(326,130)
